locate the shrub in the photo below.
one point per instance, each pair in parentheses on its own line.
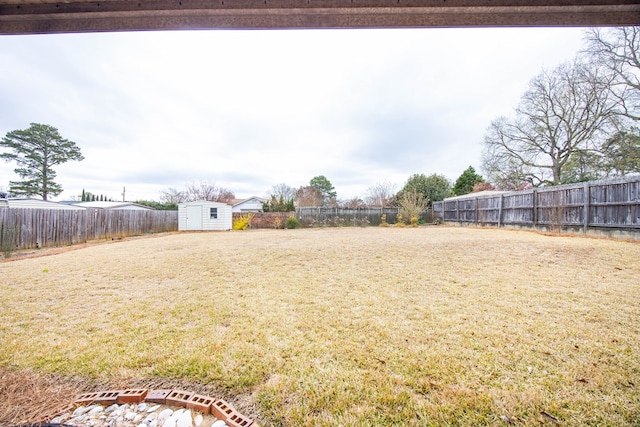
(359,222)
(383,221)
(7,237)
(292,222)
(412,204)
(335,221)
(399,221)
(242,222)
(309,221)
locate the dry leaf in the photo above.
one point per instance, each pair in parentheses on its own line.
(550,417)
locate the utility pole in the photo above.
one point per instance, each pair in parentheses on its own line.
(123,193)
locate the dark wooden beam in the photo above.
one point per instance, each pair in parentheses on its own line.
(68,16)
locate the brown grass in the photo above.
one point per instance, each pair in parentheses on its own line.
(349,326)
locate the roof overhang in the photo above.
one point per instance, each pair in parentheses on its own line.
(70,16)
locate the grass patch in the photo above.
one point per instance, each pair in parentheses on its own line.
(349,326)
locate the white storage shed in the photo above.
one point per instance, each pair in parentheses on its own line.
(204,215)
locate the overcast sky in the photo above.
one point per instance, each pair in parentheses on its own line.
(247,110)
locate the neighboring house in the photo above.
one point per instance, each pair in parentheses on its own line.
(13,203)
(114,206)
(252,204)
(204,215)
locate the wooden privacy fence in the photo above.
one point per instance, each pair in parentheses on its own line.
(317,216)
(32,228)
(266,219)
(609,204)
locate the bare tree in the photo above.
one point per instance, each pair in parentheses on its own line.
(173,196)
(284,191)
(352,203)
(618,51)
(208,191)
(563,111)
(309,196)
(380,195)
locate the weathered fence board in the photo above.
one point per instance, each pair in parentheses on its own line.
(613,203)
(345,216)
(32,228)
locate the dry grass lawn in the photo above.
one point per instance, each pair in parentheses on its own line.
(346,326)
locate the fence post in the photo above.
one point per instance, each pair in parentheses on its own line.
(477,216)
(585,209)
(535,207)
(500,210)
(457,210)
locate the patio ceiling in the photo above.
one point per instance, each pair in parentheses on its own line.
(69,16)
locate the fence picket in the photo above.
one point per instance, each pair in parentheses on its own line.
(24,228)
(613,203)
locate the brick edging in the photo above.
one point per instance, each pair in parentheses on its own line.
(204,404)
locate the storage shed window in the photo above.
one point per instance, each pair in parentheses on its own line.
(213,213)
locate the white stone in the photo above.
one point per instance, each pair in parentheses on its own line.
(111,408)
(219,423)
(81,410)
(153,423)
(184,420)
(151,417)
(142,407)
(95,410)
(153,408)
(172,421)
(138,418)
(164,415)
(130,415)
(198,420)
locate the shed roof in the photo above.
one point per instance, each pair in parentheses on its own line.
(203,202)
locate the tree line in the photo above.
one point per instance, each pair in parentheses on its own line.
(320,192)
(39,148)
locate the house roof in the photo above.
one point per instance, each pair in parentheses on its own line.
(112,205)
(17,203)
(477,194)
(236,202)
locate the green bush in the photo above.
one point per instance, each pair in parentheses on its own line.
(292,222)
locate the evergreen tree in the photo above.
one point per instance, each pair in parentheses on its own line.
(37,150)
(464,184)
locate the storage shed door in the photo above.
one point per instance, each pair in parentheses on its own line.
(194,217)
